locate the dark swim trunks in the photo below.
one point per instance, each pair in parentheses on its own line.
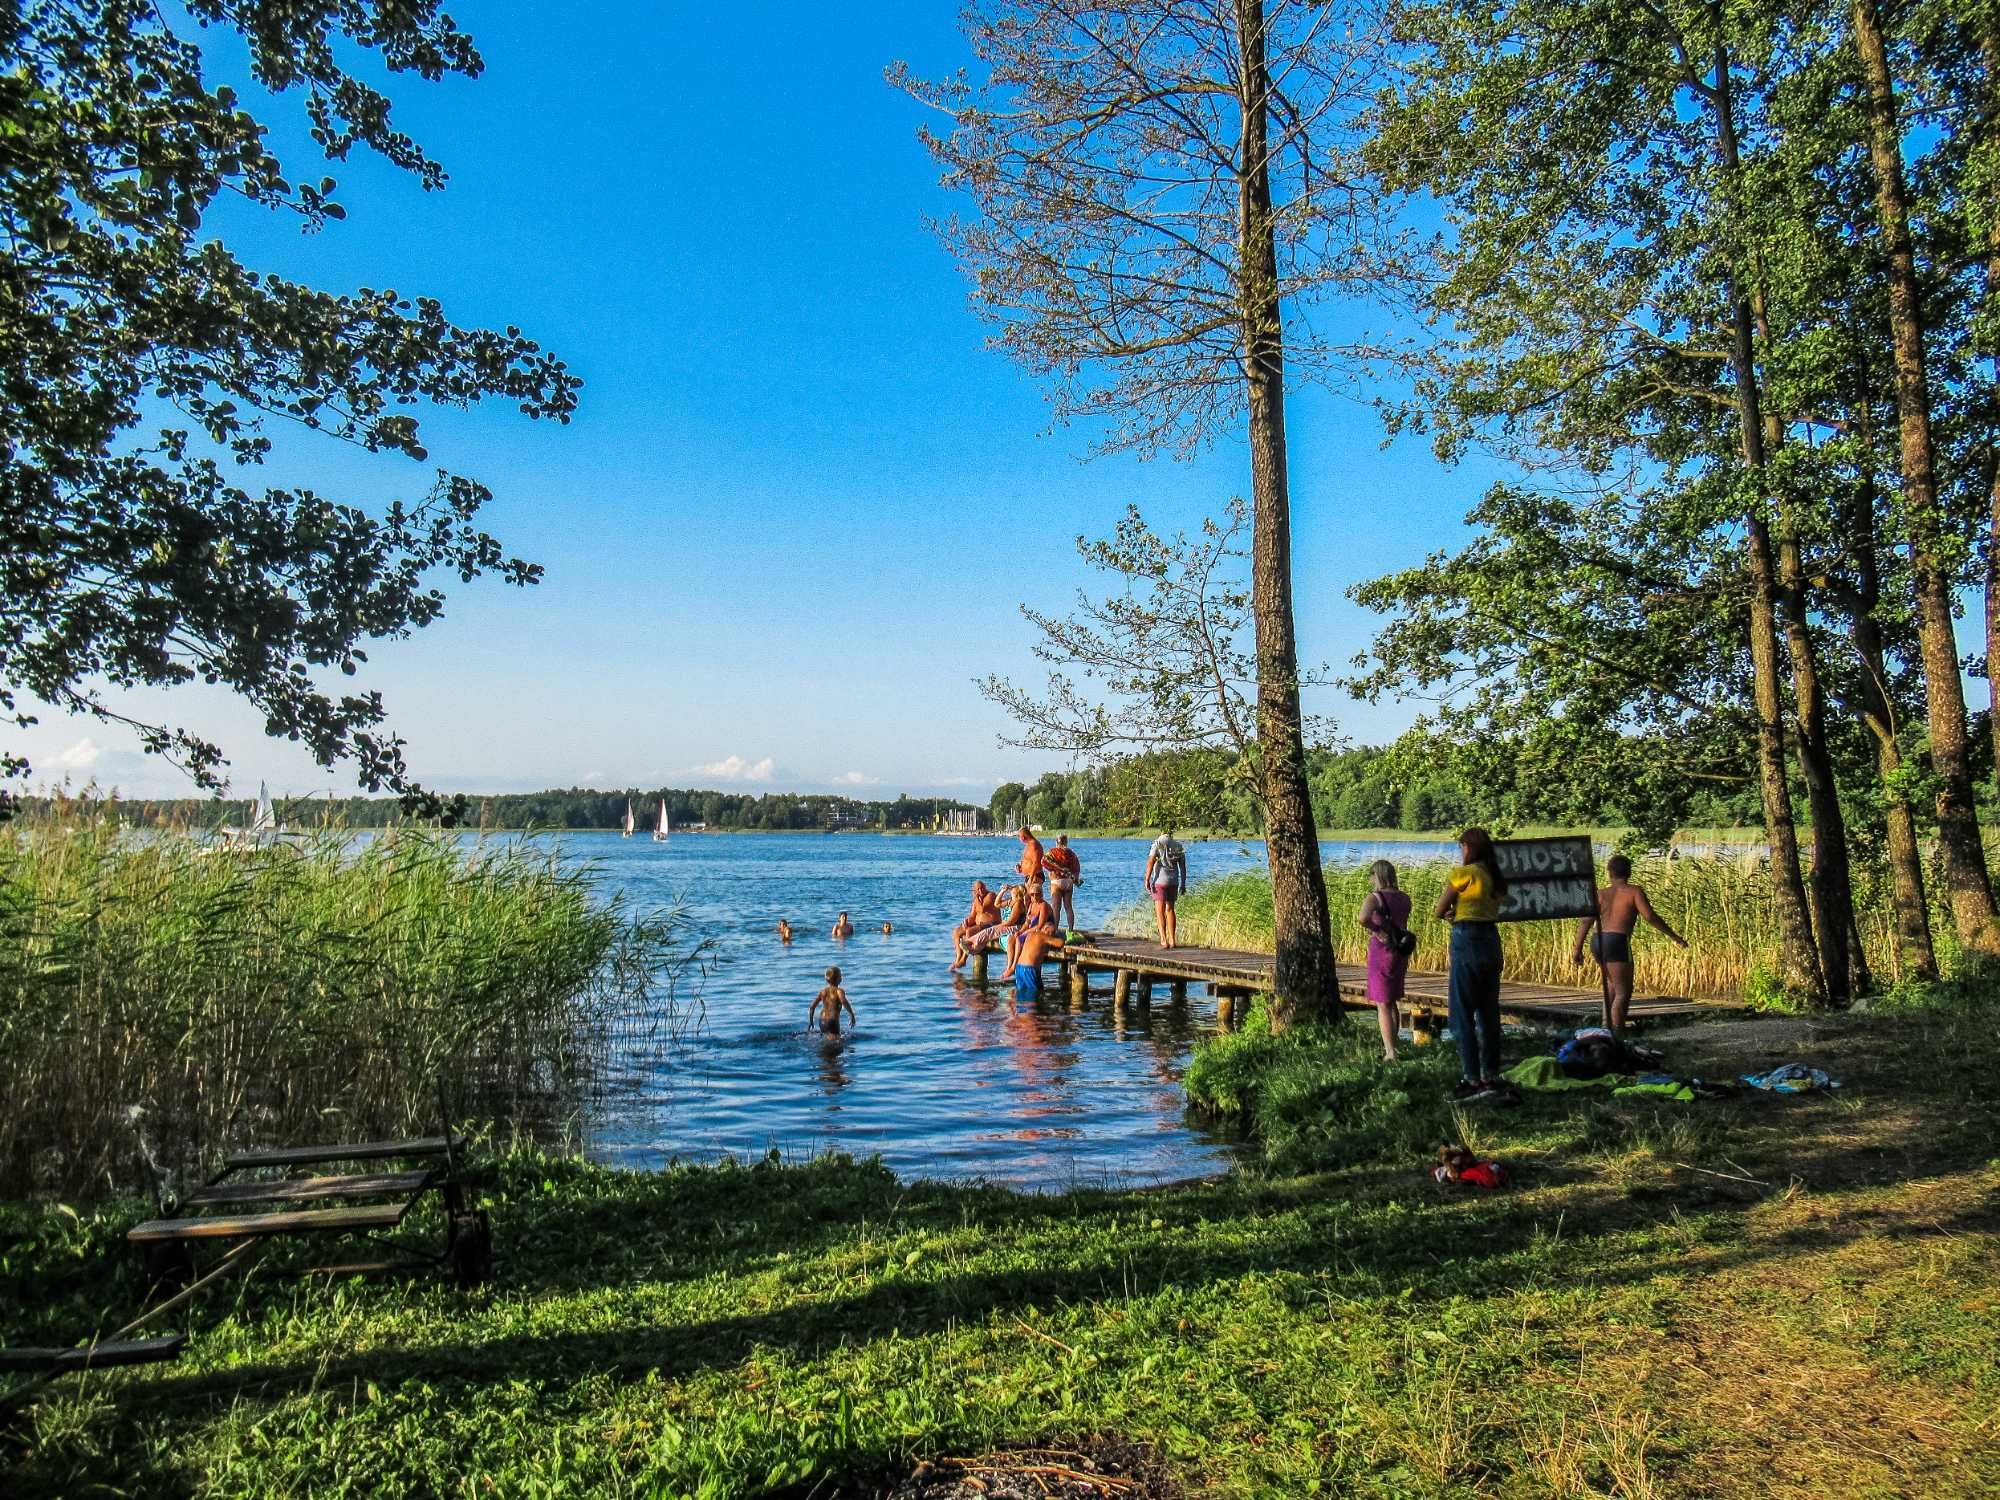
(1612,947)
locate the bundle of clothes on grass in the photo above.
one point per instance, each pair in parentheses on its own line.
(1594,1058)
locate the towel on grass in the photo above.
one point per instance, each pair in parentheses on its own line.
(1792,1078)
(1545,1074)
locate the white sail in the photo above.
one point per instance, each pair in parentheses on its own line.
(629,825)
(263,816)
(665,827)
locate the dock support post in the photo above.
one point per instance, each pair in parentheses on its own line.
(1079,985)
(1225,1008)
(978,975)
(1121,989)
(1143,988)
(1180,992)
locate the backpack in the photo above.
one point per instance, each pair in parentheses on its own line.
(1399,940)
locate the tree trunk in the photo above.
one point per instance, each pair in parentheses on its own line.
(1841,960)
(1798,961)
(1305,980)
(1968,886)
(1916,958)
(1989,54)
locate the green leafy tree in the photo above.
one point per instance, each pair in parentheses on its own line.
(1161,187)
(150,373)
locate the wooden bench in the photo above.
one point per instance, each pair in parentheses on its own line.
(377,1200)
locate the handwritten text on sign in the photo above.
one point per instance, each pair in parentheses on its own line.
(1547,878)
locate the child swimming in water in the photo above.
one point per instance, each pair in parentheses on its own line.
(784,930)
(829,1003)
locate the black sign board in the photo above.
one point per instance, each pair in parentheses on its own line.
(1547,878)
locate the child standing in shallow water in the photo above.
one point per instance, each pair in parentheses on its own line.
(828,1004)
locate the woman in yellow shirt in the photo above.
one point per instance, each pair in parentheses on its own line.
(1473,891)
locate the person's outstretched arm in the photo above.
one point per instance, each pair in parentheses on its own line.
(1582,935)
(1653,918)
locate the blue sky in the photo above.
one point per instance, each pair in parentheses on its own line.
(801,501)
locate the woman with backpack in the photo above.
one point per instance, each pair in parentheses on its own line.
(1385,914)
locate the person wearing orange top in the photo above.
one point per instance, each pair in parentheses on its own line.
(1065,870)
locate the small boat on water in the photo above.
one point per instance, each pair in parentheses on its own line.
(629,824)
(666,824)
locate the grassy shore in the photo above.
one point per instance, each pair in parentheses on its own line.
(1721,906)
(1761,1296)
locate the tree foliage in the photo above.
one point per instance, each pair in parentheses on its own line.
(151,373)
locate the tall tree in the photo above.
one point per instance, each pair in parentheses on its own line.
(1160,185)
(1968,884)
(1596,283)
(144,558)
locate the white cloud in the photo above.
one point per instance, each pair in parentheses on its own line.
(736,768)
(83,753)
(856,778)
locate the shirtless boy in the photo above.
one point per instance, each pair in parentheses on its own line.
(784,930)
(1621,906)
(828,1004)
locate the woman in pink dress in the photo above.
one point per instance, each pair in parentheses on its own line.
(1385,913)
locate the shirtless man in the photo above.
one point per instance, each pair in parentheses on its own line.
(784,931)
(984,914)
(842,928)
(1621,906)
(1031,858)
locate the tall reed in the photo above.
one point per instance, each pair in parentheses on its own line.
(1722,906)
(162,1001)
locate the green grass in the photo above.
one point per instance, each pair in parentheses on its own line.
(326,984)
(1755,1296)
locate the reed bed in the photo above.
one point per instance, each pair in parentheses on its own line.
(1722,906)
(162,1000)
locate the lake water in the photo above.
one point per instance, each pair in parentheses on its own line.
(938,1078)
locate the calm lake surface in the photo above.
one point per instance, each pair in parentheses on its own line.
(938,1078)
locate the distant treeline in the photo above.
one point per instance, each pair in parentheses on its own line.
(572,807)
(1417,789)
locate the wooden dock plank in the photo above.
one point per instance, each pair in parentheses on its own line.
(1237,969)
(305,1156)
(262,1226)
(306,1189)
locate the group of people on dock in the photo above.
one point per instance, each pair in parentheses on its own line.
(1473,891)
(1026,921)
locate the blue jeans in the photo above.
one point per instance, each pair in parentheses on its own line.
(1475,997)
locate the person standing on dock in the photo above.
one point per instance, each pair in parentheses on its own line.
(1621,906)
(1031,858)
(1473,891)
(1385,914)
(1166,878)
(1065,874)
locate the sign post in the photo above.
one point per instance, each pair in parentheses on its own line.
(1549,880)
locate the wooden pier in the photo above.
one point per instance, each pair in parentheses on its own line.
(1137,965)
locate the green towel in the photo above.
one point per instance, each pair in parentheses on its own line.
(1545,1073)
(1670,1090)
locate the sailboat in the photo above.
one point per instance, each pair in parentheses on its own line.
(264,812)
(629,825)
(666,824)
